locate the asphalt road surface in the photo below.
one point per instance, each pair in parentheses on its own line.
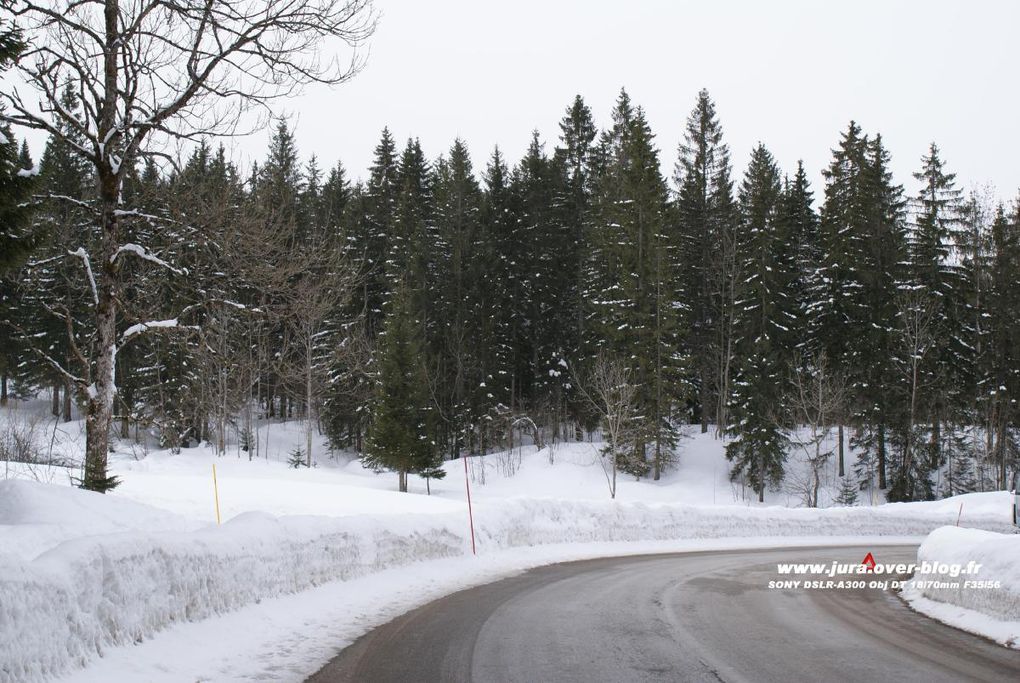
(687,617)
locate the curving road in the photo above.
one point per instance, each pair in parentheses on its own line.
(687,617)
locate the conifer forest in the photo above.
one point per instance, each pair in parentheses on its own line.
(424,309)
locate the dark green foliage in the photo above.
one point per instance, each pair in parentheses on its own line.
(402,435)
(848,492)
(765,313)
(16,180)
(705,216)
(633,283)
(480,297)
(296,458)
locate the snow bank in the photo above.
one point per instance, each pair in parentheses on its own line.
(990,607)
(63,608)
(36,517)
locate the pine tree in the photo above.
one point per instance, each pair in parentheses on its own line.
(280,182)
(51,308)
(1001,374)
(413,233)
(373,232)
(503,300)
(16,182)
(801,254)
(934,270)
(336,195)
(705,211)
(848,492)
(764,313)
(457,217)
(402,434)
(573,166)
(854,286)
(876,342)
(633,283)
(546,255)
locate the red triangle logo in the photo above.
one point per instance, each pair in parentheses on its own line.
(869,562)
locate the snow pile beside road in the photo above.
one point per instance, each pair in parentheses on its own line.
(35,517)
(63,608)
(68,605)
(526,522)
(986,602)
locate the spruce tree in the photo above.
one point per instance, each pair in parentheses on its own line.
(632,285)
(457,218)
(705,211)
(371,235)
(934,269)
(851,311)
(1001,374)
(401,437)
(547,260)
(503,297)
(876,342)
(764,313)
(573,166)
(16,180)
(802,254)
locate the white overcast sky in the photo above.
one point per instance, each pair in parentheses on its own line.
(788,73)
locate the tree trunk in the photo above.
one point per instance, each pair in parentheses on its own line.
(936,441)
(99,410)
(125,410)
(657,465)
(103,389)
(842,459)
(308,408)
(908,451)
(839,447)
(3,388)
(55,400)
(704,403)
(881,458)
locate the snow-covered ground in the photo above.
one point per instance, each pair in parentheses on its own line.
(307,559)
(338,485)
(986,602)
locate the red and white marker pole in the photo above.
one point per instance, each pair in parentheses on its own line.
(471,517)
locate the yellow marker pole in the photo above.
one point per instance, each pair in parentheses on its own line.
(216,493)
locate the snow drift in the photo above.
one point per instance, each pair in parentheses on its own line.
(64,607)
(992,611)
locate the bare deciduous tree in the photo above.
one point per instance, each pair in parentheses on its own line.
(610,392)
(917,312)
(142,70)
(818,398)
(323,284)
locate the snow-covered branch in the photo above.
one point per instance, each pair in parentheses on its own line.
(143,254)
(141,328)
(84,256)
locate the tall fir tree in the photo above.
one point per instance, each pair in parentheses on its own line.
(872,374)
(372,233)
(1001,372)
(458,217)
(705,211)
(402,434)
(16,183)
(631,292)
(765,310)
(573,165)
(935,269)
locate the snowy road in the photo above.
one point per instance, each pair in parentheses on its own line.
(692,617)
